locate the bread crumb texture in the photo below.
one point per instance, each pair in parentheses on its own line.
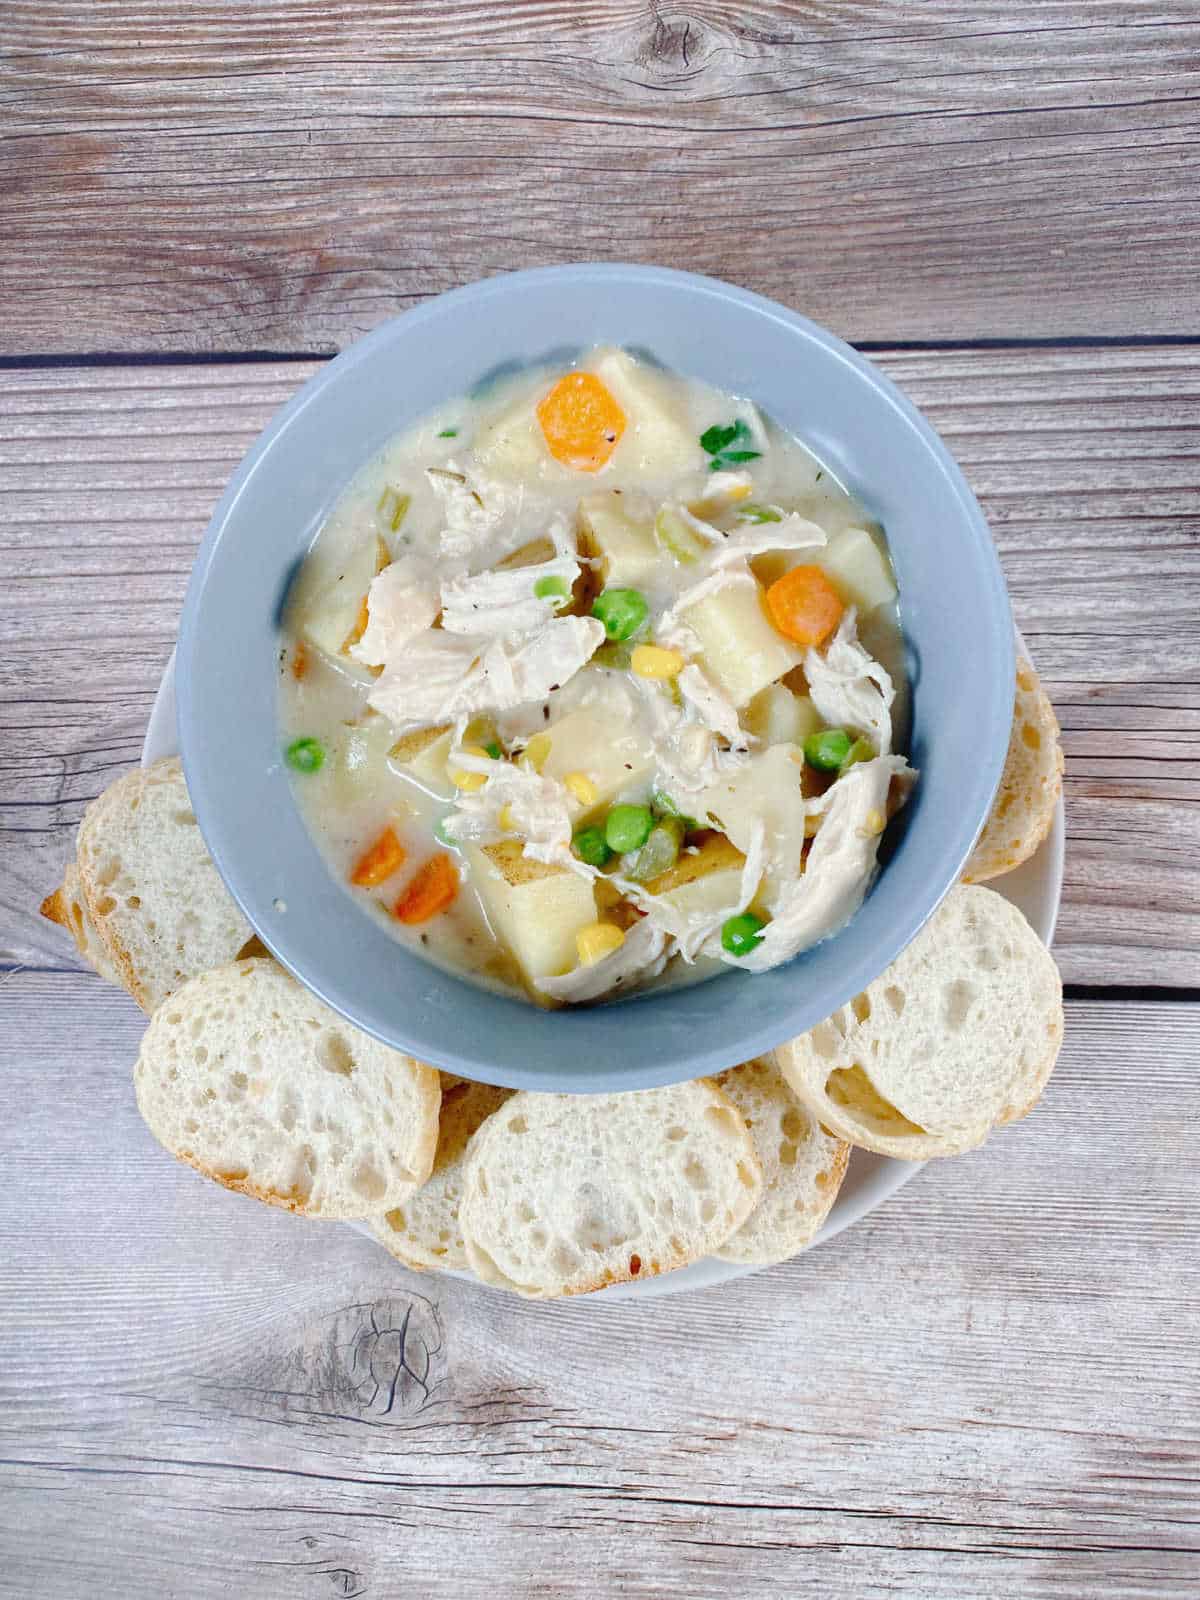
(802,1166)
(249,1078)
(957,1037)
(564,1194)
(1023,810)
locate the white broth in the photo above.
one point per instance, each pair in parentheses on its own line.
(593,681)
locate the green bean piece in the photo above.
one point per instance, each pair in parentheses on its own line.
(551,589)
(659,853)
(860,750)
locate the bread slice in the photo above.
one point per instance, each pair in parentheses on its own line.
(565,1193)
(1023,810)
(424,1231)
(957,1037)
(67,907)
(802,1166)
(152,892)
(253,1081)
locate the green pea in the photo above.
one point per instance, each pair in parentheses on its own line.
(590,846)
(828,749)
(860,750)
(741,934)
(493,749)
(659,853)
(627,828)
(622,611)
(551,589)
(305,755)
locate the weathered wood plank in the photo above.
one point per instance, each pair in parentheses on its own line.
(988,1388)
(284,176)
(1088,464)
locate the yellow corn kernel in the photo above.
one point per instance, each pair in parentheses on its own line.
(506,820)
(874,822)
(470,781)
(730,494)
(597,940)
(655,661)
(582,787)
(536,751)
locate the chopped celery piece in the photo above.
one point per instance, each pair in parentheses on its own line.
(659,853)
(393,508)
(676,537)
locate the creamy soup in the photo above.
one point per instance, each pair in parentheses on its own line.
(594,681)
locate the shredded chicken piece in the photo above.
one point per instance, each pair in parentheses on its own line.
(849,688)
(643,955)
(470,517)
(536,807)
(439,677)
(840,866)
(505,600)
(694,932)
(711,706)
(756,539)
(401,603)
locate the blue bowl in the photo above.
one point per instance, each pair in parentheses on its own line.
(954,609)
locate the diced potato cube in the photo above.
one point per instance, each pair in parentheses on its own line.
(612,756)
(658,440)
(703,882)
(512,446)
(422,756)
(860,568)
(534,909)
(742,650)
(767,788)
(331,621)
(777,716)
(360,756)
(627,549)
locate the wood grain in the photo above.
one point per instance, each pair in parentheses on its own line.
(282,176)
(987,1389)
(1087,464)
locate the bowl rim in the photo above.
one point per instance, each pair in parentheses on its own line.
(694,1056)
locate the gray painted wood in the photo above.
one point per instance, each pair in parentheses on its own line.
(986,1389)
(1087,463)
(284,176)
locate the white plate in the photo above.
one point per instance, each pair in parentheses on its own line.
(1035,887)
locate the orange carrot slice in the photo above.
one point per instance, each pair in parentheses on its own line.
(804,605)
(383,858)
(581,421)
(300,661)
(432,890)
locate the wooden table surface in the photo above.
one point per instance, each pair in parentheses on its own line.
(989,1387)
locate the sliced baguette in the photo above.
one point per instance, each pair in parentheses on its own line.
(67,907)
(802,1166)
(956,1038)
(253,1081)
(564,1194)
(1023,810)
(424,1232)
(152,892)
